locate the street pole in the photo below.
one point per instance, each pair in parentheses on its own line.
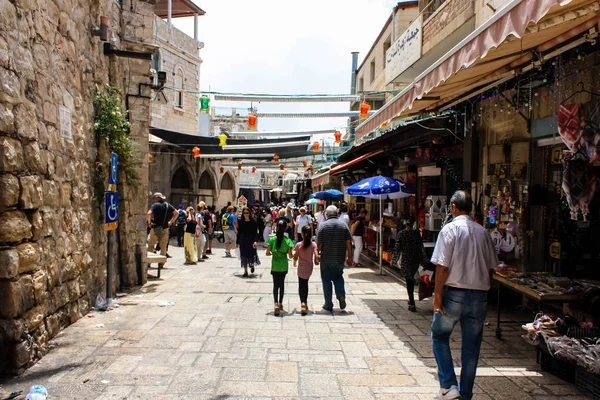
(109,265)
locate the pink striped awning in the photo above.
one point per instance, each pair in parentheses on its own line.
(512,19)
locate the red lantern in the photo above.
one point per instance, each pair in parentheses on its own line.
(149,158)
(311,168)
(305,164)
(196,151)
(338,137)
(275,158)
(364,110)
(254,170)
(316,146)
(252,121)
(221,169)
(306,174)
(281,167)
(239,166)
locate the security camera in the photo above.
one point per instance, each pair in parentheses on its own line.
(200,45)
(161,77)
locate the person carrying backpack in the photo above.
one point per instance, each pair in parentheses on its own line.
(181,222)
(230,226)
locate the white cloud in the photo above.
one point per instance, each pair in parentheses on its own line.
(284,47)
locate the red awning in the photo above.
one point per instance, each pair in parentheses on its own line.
(344,166)
(512,19)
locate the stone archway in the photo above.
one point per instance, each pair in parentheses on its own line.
(181,187)
(227,190)
(206,188)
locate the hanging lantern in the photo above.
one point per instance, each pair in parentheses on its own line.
(221,169)
(338,137)
(222,140)
(306,174)
(196,151)
(316,146)
(281,167)
(204,103)
(305,164)
(149,158)
(275,158)
(311,168)
(252,121)
(364,110)
(254,170)
(239,166)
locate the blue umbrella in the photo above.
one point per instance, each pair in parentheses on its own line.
(327,194)
(381,187)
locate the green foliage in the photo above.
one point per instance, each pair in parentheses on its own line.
(111,123)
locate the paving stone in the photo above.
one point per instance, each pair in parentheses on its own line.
(281,371)
(236,388)
(319,385)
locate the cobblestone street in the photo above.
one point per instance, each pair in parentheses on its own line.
(220,340)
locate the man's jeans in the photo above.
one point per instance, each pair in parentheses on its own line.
(332,273)
(468,307)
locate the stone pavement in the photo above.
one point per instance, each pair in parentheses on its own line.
(220,340)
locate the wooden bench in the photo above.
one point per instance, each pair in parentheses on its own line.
(156,258)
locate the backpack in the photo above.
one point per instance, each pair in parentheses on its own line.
(181,219)
(225,221)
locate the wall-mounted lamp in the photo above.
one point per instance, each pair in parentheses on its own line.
(103,30)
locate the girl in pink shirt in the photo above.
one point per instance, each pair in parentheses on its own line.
(304,254)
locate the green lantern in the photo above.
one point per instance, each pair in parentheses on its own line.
(204,103)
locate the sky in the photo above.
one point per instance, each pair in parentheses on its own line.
(284,47)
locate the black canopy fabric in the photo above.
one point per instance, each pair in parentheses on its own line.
(210,145)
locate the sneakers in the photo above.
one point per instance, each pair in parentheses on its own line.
(448,394)
(205,257)
(227,254)
(328,309)
(342,300)
(208,251)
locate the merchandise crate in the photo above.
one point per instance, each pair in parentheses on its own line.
(587,383)
(557,367)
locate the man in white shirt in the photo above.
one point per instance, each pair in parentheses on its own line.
(320,217)
(301,220)
(466,258)
(344,214)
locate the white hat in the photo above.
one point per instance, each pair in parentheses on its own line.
(159,195)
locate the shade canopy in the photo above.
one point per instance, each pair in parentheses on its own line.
(328,195)
(313,201)
(381,187)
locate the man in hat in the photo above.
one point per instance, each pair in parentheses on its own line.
(159,218)
(301,220)
(335,246)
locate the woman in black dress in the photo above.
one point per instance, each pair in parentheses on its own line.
(409,245)
(247,238)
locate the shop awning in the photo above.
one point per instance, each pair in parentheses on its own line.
(320,179)
(485,57)
(179,9)
(358,159)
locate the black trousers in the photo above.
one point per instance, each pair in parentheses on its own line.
(180,229)
(410,288)
(303,289)
(278,285)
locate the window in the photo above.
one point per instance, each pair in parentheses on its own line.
(372,71)
(361,84)
(386,45)
(181,179)
(156,62)
(226,182)
(179,85)
(206,181)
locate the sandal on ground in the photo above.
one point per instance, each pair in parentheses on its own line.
(303,309)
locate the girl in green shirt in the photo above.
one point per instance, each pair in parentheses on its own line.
(280,246)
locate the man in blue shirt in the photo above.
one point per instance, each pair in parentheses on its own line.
(230,225)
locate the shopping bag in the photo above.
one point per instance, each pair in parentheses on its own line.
(236,253)
(426,284)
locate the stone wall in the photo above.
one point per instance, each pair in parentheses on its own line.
(52,245)
(445,20)
(177,52)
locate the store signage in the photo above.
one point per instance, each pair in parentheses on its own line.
(404,52)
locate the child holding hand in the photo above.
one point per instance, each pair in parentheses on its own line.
(305,253)
(280,246)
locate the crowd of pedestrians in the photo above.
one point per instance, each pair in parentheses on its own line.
(464,258)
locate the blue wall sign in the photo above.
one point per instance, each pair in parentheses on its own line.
(114,169)
(111,210)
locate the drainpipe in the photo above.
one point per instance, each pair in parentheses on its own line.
(354,70)
(394,24)
(196,28)
(169,10)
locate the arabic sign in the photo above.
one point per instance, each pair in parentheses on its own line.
(404,52)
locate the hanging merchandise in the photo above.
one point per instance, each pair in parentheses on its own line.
(149,158)
(316,146)
(196,151)
(221,169)
(204,104)
(252,122)
(305,164)
(222,140)
(364,110)
(579,184)
(338,137)
(312,168)
(281,167)
(239,166)
(275,158)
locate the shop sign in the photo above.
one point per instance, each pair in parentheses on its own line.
(404,52)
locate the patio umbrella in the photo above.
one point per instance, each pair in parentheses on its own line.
(313,201)
(327,195)
(381,187)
